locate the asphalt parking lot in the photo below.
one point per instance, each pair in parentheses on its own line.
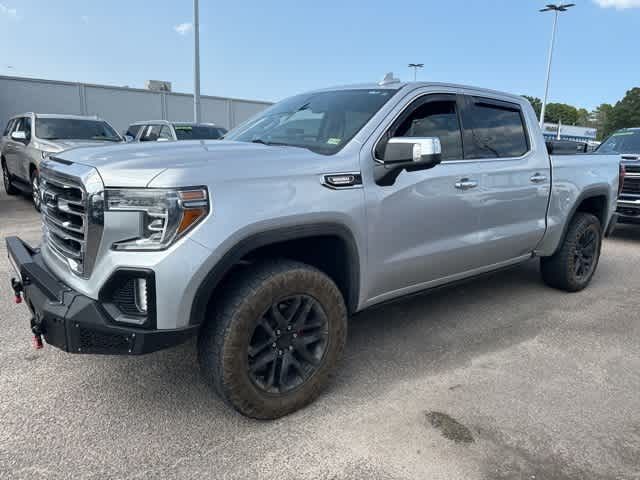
(499,378)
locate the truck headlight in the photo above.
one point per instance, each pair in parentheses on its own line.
(166,214)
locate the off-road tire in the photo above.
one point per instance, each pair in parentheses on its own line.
(558,270)
(224,340)
(6,180)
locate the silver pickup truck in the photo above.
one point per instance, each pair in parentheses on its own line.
(325,204)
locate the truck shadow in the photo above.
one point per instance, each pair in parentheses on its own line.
(626,232)
(423,334)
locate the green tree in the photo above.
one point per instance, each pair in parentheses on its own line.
(536,103)
(583,117)
(556,112)
(598,119)
(625,113)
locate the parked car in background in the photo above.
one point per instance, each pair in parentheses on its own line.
(166,131)
(626,142)
(31,137)
(323,205)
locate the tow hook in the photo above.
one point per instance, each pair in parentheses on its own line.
(17,290)
(36,328)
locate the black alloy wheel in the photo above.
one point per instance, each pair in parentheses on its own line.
(288,344)
(584,259)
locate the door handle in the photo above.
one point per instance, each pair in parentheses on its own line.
(466,184)
(538,178)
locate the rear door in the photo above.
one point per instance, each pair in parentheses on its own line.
(513,177)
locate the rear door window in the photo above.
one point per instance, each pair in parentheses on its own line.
(493,129)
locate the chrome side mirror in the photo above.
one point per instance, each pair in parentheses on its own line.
(414,151)
(407,153)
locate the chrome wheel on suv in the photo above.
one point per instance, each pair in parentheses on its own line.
(6,180)
(35,189)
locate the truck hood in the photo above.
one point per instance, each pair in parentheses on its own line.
(66,144)
(137,164)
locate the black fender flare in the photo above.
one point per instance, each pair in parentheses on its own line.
(270,237)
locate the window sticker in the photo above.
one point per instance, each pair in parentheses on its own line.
(334,141)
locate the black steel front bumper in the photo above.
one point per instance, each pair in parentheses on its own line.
(73,322)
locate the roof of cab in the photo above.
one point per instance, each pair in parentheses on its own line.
(399,85)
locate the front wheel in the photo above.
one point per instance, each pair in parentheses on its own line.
(572,267)
(273,342)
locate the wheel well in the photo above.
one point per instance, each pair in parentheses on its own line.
(329,254)
(332,254)
(596,205)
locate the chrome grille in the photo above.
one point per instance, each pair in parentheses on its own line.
(64,217)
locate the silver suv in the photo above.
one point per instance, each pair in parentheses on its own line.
(166,131)
(29,138)
(321,206)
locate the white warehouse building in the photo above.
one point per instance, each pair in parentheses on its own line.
(120,106)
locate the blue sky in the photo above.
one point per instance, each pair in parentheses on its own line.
(272,49)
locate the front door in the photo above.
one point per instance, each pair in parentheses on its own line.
(423,229)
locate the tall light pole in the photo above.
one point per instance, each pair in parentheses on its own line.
(196,63)
(415,67)
(556,9)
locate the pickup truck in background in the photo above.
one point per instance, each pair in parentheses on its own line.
(166,131)
(626,143)
(31,137)
(323,205)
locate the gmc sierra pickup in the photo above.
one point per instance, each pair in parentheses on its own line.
(323,205)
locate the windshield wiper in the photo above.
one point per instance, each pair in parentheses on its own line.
(106,139)
(280,144)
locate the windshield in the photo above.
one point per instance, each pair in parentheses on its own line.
(623,142)
(322,122)
(199,132)
(74,129)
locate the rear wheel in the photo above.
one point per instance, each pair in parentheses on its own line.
(35,189)
(573,265)
(6,180)
(272,344)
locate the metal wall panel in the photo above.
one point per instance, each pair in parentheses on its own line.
(119,106)
(24,95)
(180,107)
(245,110)
(214,110)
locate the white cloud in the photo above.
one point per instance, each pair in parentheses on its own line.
(9,12)
(618,4)
(183,28)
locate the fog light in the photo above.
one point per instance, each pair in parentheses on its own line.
(140,294)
